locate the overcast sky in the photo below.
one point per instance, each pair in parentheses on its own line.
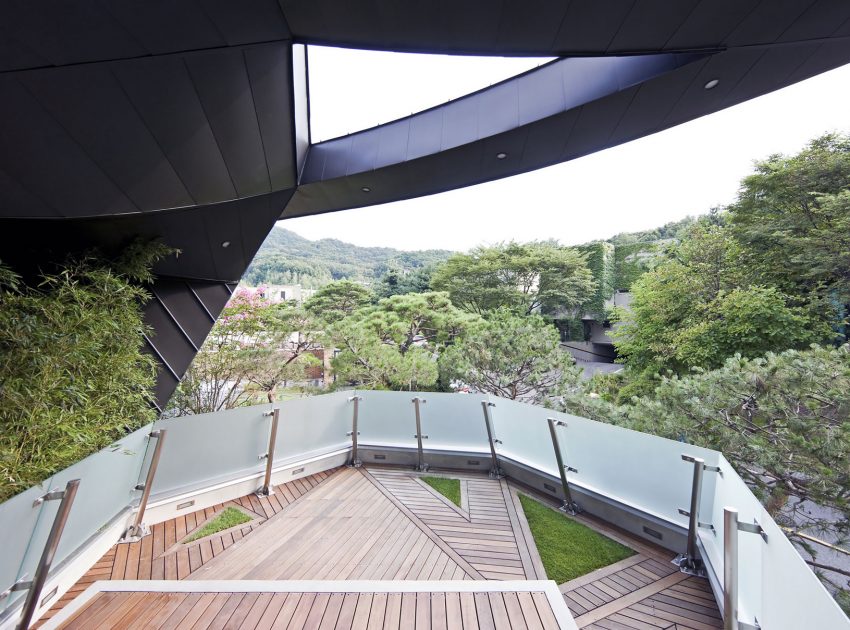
(643,184)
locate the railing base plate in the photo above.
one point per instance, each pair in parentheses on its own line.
(571,507)
(134,534)
(690,566)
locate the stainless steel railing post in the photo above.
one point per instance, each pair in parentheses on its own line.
(689,561)
(266,489)
(420,465)
(696,493)
(569,505)
(138,530)
(355,458)
(43,568)
(730,569)
(495,470)
(731,527)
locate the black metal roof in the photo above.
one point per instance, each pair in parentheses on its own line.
(188,120)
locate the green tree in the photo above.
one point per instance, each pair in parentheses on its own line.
(792,218)
(698,307)
(73,373)
(516,357)
(399,281)
(369,362)
(394,344)
(337,300)
(782,421)
(525,277)
(254,347)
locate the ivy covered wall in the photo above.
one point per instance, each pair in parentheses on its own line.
(600,258)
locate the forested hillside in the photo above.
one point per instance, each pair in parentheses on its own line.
(287,258)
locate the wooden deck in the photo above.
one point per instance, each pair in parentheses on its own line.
(161,557)
(642,593)
(386,524)
(323,605)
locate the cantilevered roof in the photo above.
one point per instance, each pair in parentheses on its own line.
(189,121)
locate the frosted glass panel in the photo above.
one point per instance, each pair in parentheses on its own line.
(524,434)
(107,487)
(387,418)
(638,469)
(313,426)
(635,468)
(18,519)
(798,602)
(205,449)
(454,422)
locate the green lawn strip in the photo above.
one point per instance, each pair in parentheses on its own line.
(230,517)
(449,488)
(568,548)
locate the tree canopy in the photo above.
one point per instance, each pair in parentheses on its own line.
(524,277)
(781,420)
(254,346)
(516,357)
(792,219)
(337,300)
(700,306)
(395,343)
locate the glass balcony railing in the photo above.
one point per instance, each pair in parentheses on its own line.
(638,474)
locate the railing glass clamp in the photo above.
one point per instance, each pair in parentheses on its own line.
(753,528)
(53,495)
(21,585)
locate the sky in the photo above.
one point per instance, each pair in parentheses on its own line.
(640,185)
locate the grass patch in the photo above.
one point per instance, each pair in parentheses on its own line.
(230,517)
(568,548)
(449,488)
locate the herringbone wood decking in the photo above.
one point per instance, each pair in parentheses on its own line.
(385,524)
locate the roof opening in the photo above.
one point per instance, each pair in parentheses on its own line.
(351,90)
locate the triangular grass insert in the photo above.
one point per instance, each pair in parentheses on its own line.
(567,548)
(449,488)
(229,517)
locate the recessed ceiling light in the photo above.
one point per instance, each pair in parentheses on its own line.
(226,244)
(501,156)
(366,189)
(712,84)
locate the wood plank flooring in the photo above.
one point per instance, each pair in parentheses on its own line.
(339,610)
(642,593)
(386,524)
(484,532)
(345,529)
(159,557)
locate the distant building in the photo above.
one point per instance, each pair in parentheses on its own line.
(594,352)
(276,293)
